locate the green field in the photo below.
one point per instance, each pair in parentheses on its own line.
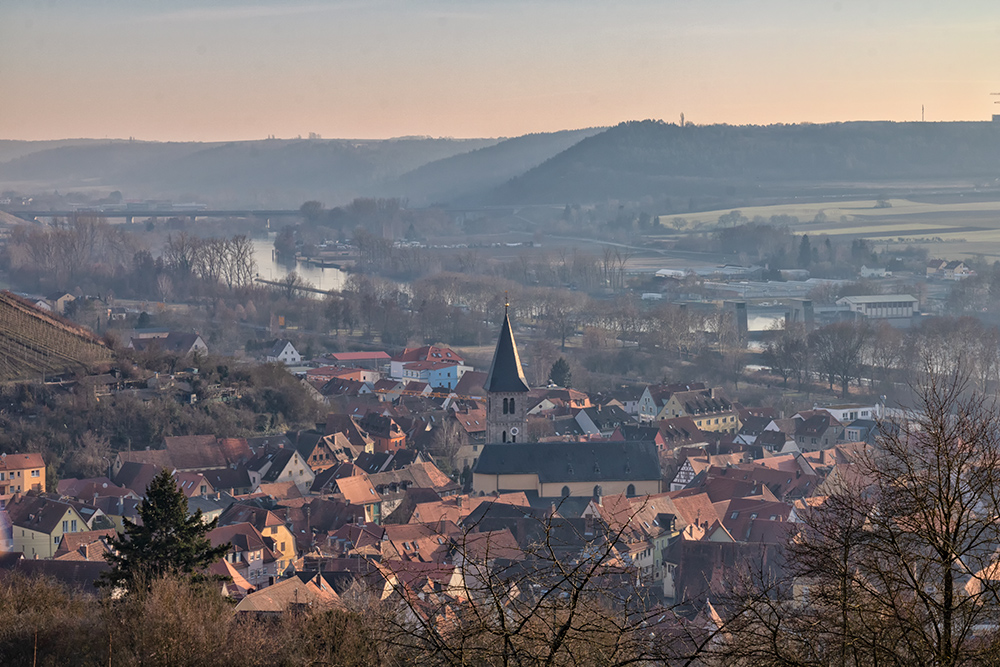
(950,230)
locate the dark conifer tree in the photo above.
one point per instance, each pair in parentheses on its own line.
(167,541)
(560,373)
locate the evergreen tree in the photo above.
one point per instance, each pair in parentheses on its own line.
(166,542)
(805,252)
(560,373)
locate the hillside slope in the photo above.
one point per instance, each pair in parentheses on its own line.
(652,158)
(472,175)
(270,173)
(34,343)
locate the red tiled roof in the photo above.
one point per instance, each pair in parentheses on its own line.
(428,353)
(360,356)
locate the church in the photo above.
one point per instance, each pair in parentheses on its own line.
(553,470)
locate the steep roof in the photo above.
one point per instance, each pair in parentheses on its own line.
(37,513)
(279,347)
(505,374)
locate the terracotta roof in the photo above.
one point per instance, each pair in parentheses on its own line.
(21,461)
(77,545)
(291,593)
(358,490)
(193,452)
(360,356)
(429,365)
(428,353)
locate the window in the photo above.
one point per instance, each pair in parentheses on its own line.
(512,406)
(505,406)
(72,526)
(503,436)
(65,526)
(282,546)
(1,476)
(55,540)
(734,515)
(565,492)
(630,491)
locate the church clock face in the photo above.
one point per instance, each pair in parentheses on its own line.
(514,430)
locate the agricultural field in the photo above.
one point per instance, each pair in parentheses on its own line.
(948,229)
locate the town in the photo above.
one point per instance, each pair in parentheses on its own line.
(501,334)
(429,485)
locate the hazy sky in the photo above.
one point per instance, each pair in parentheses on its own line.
(229,69)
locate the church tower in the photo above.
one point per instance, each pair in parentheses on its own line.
(506,391)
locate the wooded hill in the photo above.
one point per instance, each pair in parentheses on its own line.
(652,159)
(629,162)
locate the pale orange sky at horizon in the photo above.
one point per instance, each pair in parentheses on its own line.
(232,70)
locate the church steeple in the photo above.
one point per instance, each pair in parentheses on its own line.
(505,373)
(506,407)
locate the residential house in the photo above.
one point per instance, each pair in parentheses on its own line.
(20,473)
(89,545)
(187,453)
(283,352)
(234,481)
(370,360)
(292,594)
(181,344)
(248,553)
(277,535)
(425,353)
(358,490)
(59,300)
(273,465)
(385,433)
(603,420)
(817,429)
(193,484)
(654,398)
(317,450)
(711,409)
(39,523)
(437,374)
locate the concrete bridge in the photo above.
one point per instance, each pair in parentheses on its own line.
(131,214)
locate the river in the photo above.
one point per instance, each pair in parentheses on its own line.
(270,269)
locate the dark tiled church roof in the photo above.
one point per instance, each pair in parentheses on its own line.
(572,461)
(505,373)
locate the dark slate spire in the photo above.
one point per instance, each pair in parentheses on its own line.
(505,372)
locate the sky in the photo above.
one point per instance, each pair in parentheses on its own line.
(224,70)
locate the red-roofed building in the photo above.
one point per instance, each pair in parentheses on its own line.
(425,353)
(361,359)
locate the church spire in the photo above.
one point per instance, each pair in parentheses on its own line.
(505,373)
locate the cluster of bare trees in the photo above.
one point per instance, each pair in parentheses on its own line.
(62,254)
(882,355)
(229,261)
(897,565)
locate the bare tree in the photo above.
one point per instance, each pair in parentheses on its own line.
(787,353)
(898,565)
(837,350)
